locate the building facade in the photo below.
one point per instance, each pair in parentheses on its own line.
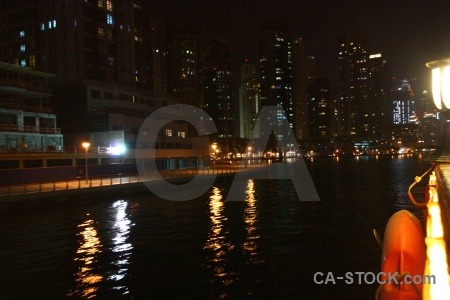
(249,100)
(275,68)
(27,122)
(319,98)
(353,87)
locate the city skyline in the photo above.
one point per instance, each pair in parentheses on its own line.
(408,34)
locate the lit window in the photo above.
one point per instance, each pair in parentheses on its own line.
(32,60)
(75,23)
(50,23)
(42,26)
(109,19)
(22,33)
(168,132)
(182,134)
(23,63)
(101,32)
(22,47)
(110,61)
(100,3)
(54,23)
(109,5)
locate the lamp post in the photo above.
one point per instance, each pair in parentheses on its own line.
(86,148)
(440,70)
(214,147)
(436,262)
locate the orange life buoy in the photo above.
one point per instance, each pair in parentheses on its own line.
(404,253)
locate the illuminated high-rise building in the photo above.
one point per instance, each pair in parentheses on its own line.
(319,100)
(182,46)
(276,68)
(353,87)
(249,100)
(403,104)
(304,72)
(101,54)
(378,96)
(101,40)
(217,90)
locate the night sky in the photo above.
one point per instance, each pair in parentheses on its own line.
(407,33)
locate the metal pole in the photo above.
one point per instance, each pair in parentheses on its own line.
(86,159)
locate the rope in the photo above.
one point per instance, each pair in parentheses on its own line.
(417,179)
(398,277)
(377,237)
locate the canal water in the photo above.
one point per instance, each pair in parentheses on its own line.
(268,247)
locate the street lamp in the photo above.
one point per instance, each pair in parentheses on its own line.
(86,147)
(214,147)
(440,71)
(436,262)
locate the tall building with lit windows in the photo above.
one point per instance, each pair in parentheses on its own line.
(304,72)
(319,100)
(353,87)
(379,97)
(249,100)
(101,52)
(182,50)
(102,40)
(217,90)
(275,68)
(403,104)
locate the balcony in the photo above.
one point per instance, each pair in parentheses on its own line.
(10,105)
(30,129)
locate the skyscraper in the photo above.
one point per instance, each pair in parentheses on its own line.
(101,54)
(378,96)
(182,44)
(304,72)
(101,40)
(319,98)
(276,68)
(249,100)
(353,87)
(217,89)
(403,104)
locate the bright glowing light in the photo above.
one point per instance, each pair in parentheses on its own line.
(436,87)
(436,263)
(118,150)
(86,145)
(446,87)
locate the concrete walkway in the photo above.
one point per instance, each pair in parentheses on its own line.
(10,193)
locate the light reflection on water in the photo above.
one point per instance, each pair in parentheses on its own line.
(217,243)
(87,277)
(251,217)
(268,246)
(122,248)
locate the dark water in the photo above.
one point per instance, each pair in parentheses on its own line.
(267,247)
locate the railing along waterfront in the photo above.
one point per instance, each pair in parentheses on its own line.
(117,179)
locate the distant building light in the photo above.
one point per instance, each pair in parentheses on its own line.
(375,55)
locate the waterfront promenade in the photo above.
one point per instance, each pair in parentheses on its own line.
(29,191)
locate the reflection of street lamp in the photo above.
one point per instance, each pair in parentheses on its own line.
(86,147)
(249,148)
